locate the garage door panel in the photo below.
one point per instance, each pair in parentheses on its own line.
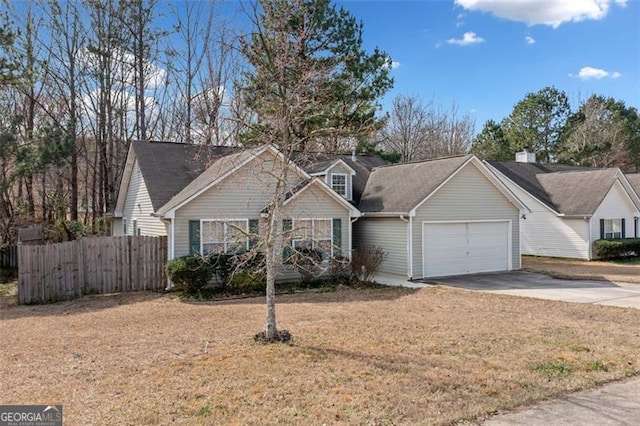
(465,247)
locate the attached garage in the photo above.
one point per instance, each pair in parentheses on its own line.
(457,216)
(453,248)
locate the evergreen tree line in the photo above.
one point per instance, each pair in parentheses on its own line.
(602,132)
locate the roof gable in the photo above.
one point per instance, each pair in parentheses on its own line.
(168,167)
(325,166)
(218,171)
(316,182)
(401,187)
(567,190)
(578,193)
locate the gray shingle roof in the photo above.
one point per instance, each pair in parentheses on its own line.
(363,164)
(634,180)
(568,190)
(169,167)
(578,193)
(401,187)
(215,171)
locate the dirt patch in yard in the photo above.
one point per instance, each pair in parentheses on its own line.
(597,270)
(390,356)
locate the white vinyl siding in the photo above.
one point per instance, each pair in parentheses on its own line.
(137,209)
(388,233)
(544,233)
(615,205)
(467,196)
(243,194)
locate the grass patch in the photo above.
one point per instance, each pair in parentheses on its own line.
(628,261)
(368,356)
(558,369)
(622,270)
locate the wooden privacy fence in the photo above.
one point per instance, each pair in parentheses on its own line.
(93,265)
(9,257)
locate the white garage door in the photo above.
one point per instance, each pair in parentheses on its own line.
(465,247)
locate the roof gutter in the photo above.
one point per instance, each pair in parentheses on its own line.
(386,214)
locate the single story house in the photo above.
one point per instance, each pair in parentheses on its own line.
(571,207)
(450,216)
(432,218)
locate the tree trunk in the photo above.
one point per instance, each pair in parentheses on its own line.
(271,331)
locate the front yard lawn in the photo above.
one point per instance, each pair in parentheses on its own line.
(627,271)
(378,356)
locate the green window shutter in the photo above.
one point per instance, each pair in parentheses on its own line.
(337,237)
(287,226)
(602,229)
(194,237)
(253,230)
(622,224)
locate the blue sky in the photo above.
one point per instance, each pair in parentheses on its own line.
(487,55)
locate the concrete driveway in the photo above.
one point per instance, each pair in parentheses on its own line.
(531,284)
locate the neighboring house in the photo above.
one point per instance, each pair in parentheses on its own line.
(634,180)
(571,207)
(442,217)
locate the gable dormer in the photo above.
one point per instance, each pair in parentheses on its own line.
(339,177)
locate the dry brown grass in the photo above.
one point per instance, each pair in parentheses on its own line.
(568,268)
(391,356)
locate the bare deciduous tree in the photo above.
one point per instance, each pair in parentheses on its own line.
(418,131)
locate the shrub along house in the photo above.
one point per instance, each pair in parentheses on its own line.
(571,206)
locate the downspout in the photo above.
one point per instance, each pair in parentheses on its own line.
(171,252)
(351,222)
(409,223)
(589,253)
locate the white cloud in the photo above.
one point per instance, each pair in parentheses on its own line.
(530,40)
(589,73)
(393,65)
(467,39)
(549,12)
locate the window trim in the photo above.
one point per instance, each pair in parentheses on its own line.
(225,227)
(609,229)
(314,240)
(346,184)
